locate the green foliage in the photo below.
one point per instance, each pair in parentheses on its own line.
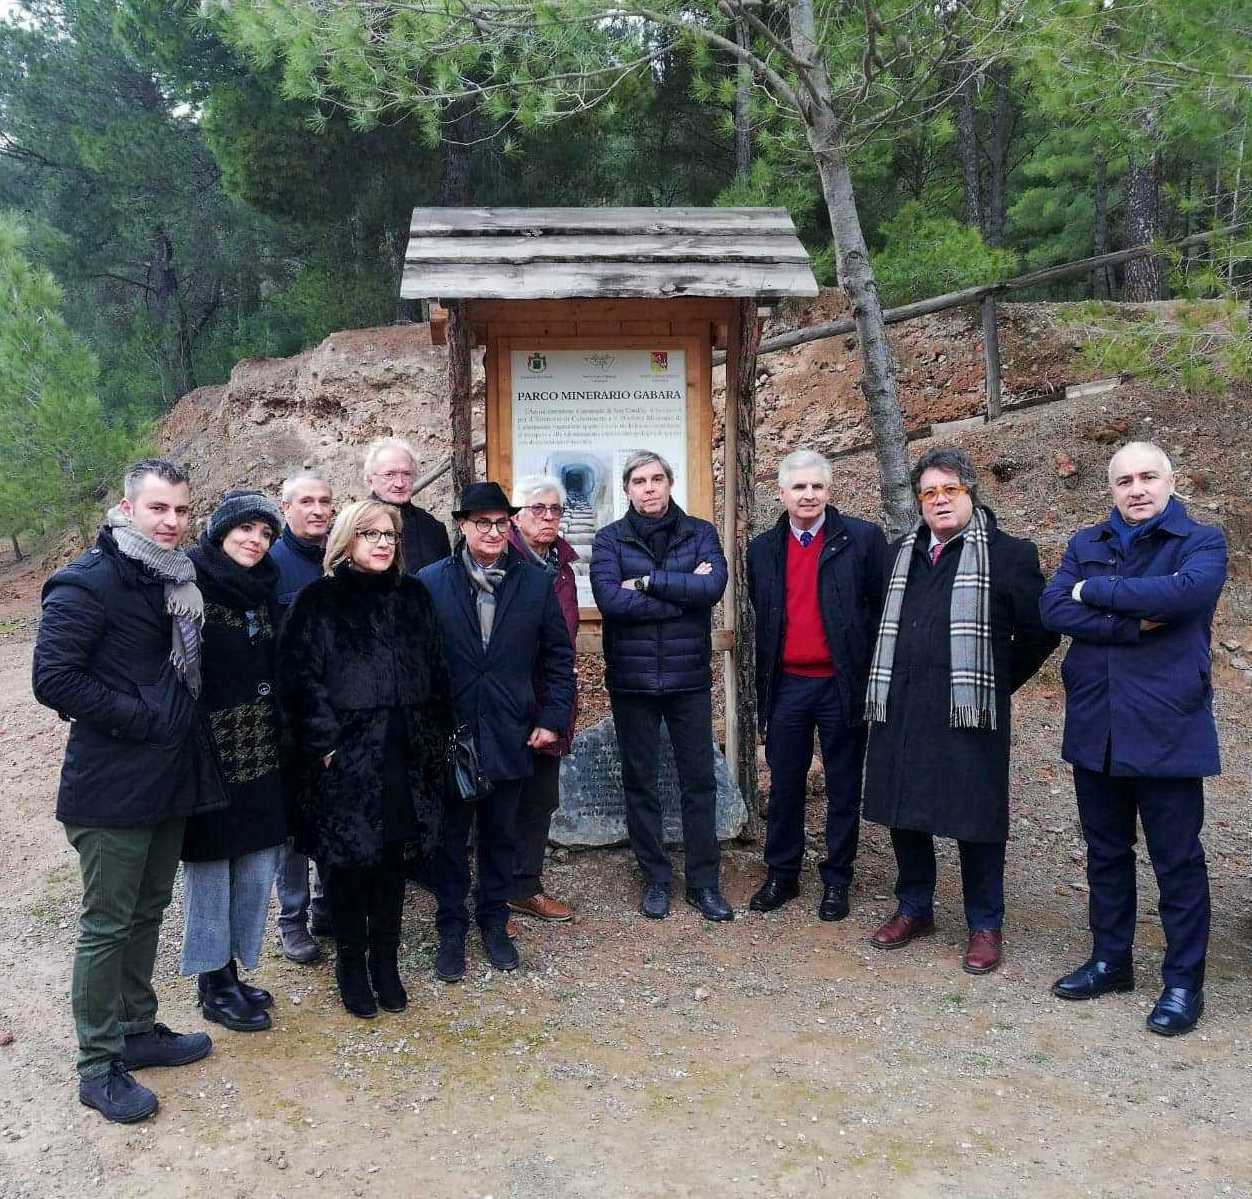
(58,452)
(927,255)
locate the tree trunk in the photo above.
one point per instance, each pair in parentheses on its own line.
(456,187)
(1101,277)
(856,278)
(967,149)
(18,556)
(459,400)
(164,302)
(1143,280)
(743,105)
(1002,121)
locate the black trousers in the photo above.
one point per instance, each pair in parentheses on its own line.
(1172,813)
(540,797)
(688,717)
(496,817)
(367,902)
(982,878)
(800,707)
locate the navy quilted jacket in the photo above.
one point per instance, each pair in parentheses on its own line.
(659,641)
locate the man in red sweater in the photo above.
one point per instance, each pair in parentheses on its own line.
(816,584)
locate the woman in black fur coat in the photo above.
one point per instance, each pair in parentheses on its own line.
(229,855)
(367,700)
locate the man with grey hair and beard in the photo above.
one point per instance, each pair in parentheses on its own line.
(1136,595)
(815,580)
(118,656)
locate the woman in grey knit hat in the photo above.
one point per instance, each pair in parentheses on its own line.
(230,855)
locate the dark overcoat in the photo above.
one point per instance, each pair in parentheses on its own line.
(354,645)
(102,660)
(849,593)
(238,698)
(566,588)
(1140,701)
(659,641)
(920,773)
(494,688)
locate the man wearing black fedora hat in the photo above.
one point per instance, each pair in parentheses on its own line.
(501,623)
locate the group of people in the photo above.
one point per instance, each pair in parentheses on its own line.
(279,705)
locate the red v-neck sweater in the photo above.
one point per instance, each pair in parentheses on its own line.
(805,651)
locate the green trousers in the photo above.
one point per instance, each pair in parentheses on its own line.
(128,878)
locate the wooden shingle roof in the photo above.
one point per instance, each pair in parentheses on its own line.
(566,253)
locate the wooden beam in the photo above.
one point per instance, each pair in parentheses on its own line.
(991,356)
(459,396)
(593,280)
(437,472)
(739,473)
(604,248)
(539,222)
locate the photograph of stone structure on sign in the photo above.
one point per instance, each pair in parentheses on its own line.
(579,414)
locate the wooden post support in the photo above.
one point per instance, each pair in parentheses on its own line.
(459,342)
(739,508)
(991,355)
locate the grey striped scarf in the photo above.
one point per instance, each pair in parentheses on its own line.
(183,600)
(972,683)
(485,580)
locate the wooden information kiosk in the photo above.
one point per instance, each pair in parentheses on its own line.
(599,326)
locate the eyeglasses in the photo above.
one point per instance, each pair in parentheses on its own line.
(483,525)
(374,536)
(949,491)
(393,476)
(551,511)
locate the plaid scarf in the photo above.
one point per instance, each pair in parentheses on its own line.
(183,600)
(972,684)
(485,580)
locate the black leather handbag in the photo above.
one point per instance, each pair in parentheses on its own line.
(465,776)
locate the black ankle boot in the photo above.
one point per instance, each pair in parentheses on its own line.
(385,976)
(354,982)
(224,1003)
(257,996)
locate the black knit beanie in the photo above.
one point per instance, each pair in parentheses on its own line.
(238,508)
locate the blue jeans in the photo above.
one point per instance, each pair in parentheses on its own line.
(1172,812)
(982,878)
(800,707)
(291,882)
(226,903)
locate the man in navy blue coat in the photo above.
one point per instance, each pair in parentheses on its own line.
(501,622)
(1136,594)
(816,584)
(656,575)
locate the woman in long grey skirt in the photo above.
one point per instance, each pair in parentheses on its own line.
(230,855)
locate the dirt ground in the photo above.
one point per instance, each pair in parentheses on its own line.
(774,1056)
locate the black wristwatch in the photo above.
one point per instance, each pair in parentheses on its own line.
(641,583)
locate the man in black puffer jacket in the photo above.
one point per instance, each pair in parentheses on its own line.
(656,575)
(118,655)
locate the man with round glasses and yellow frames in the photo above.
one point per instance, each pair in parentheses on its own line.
(960,632)
(390,472)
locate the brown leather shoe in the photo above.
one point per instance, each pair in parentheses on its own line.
(900,930)
(543,907)
(982,955)
(512,929)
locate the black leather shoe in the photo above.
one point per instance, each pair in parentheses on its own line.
(1093,979)
(161,1047)
(257,996)
(655,902)
(775,891)
(709,903)
(450,959)
(117,1096)
(354,984)
(224,1003)
(501,952)
(834,905)
(1176,1011)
